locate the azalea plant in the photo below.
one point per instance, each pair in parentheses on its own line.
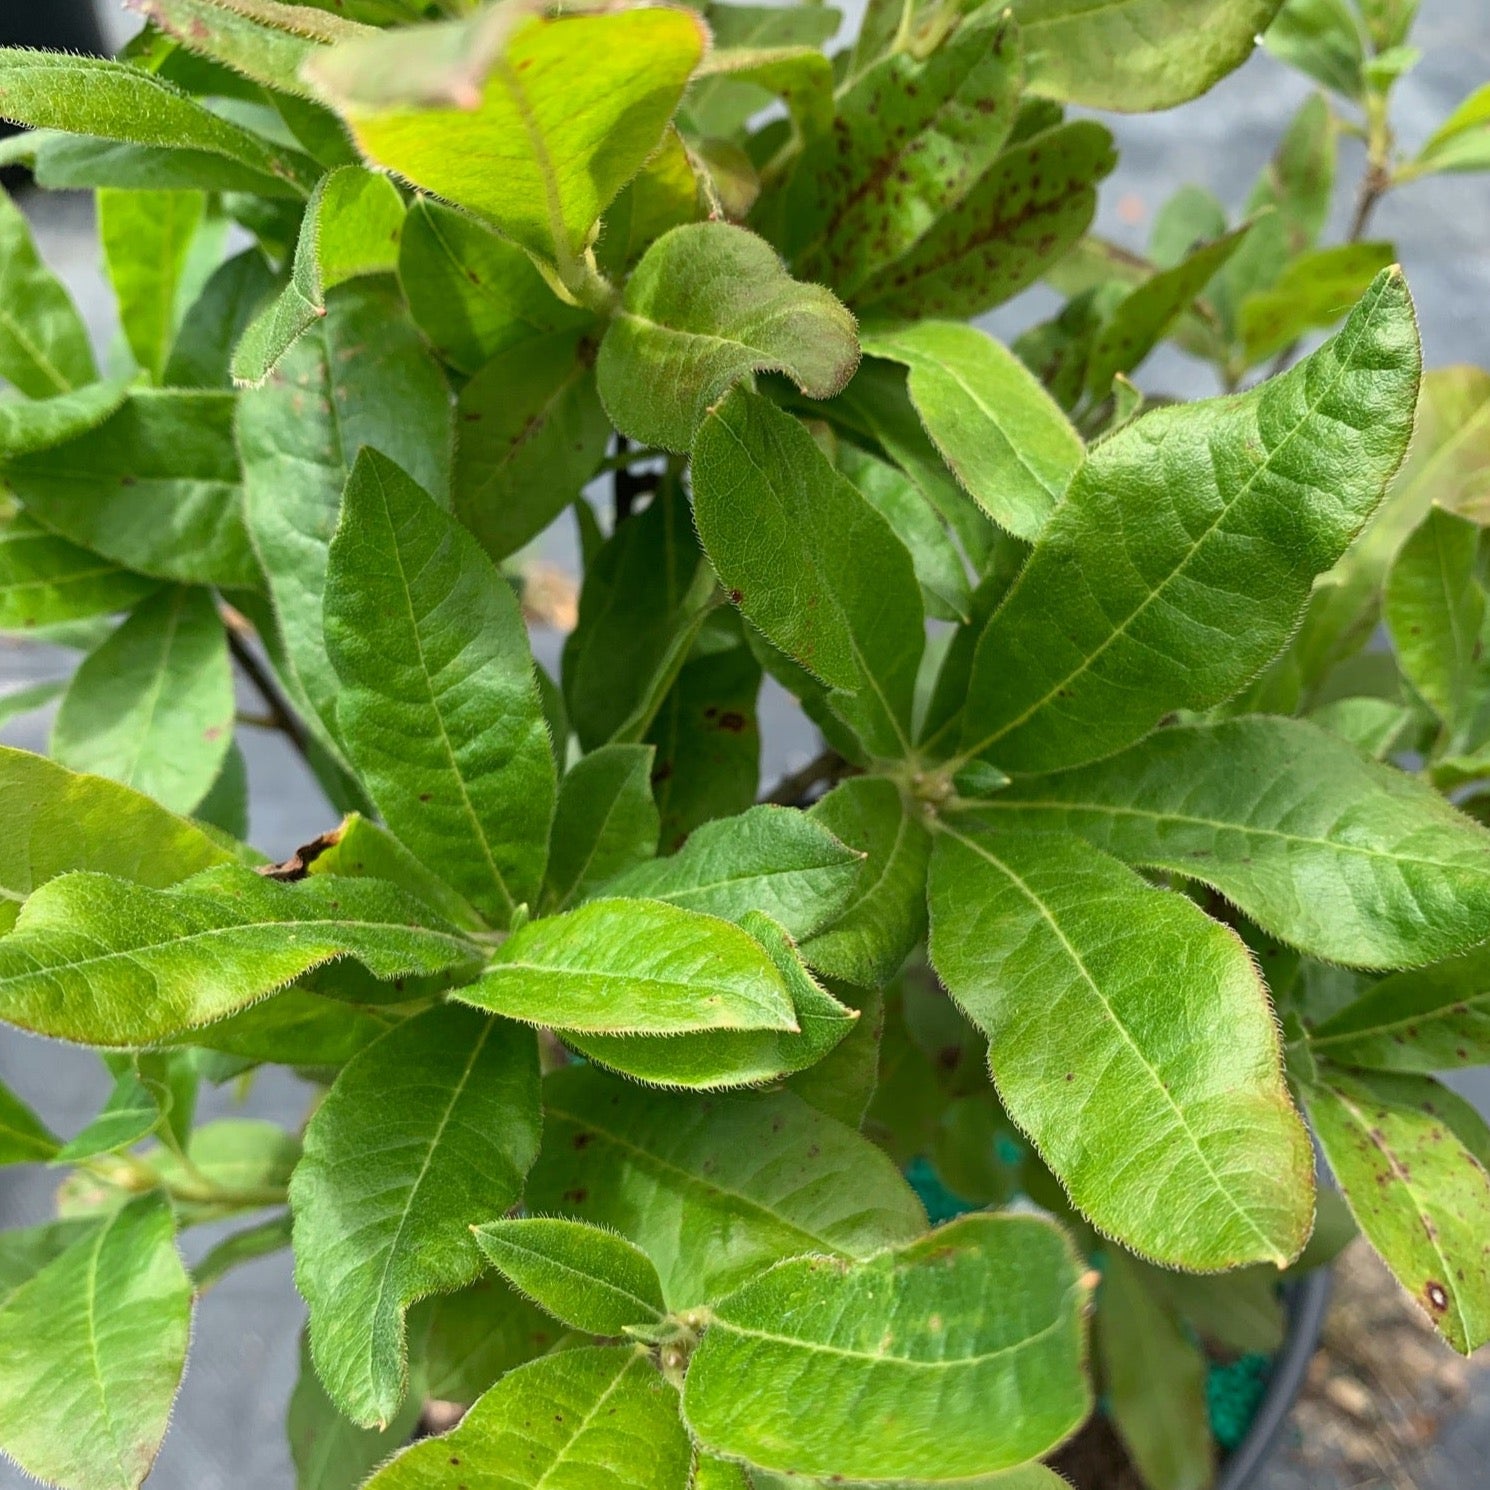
(1130,845)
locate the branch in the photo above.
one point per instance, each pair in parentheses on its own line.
(792,789)
(281,715)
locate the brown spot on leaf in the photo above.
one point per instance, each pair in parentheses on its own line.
(1437,1296)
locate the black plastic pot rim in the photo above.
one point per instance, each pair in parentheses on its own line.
(1309,1300)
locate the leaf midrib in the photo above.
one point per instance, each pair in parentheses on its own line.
(445,741)
(564,1454)
(1440,1013)
(207,934)
(828,590)
(381,1290)
(908,1363)
(647,1158)
(649,1310)
(95,1362)
(628,981)
(1220,824)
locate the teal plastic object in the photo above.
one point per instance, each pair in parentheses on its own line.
(1233,1393)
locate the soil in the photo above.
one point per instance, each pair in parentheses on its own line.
(1096,1459)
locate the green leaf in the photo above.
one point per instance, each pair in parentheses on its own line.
(534,123)
(147,236)
(99,961)
(964,1351)
(25,1252)
(1131,1038)
(1462,141)
(1241,1310)
(1067,674)
(1298,183)
(68,162)
(667,192)
(634,605)
(634,966)
(24,1138)
(1144,316)
(914,135)
(719,104)
(175,505)
(800,76)
(438,707)
(366,850)
(15,702)
(331,1452)
(601,1417)
(1434,606)
(1323,39)
(240,1247)
(939,566)
(1375,726)
(714,1188)
(1154,1377)
(130,1114)
(1420,1195)
(213,324)
(362,378)
(1027,209)
(774,860)
(45,580)
(263,39)
(225,807)
(1314,290)
(29,425)
(119,1301)
(1003,436)
(532,431)
(92,96)
(1424,1020)
(605,822)
(1350,860)
(707,739)
(585,1276)
(1446,463)
(351,229)
(464,1342)
(56,821)
(44,347)
(810,563)
(869,940)
(709,304)
(472,293)
(425,1134)
(843,1082)
(296,1027)
(153,706)
(717,1058)
(1388,22)
(236,1154)
(877,408)
(1137,54)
